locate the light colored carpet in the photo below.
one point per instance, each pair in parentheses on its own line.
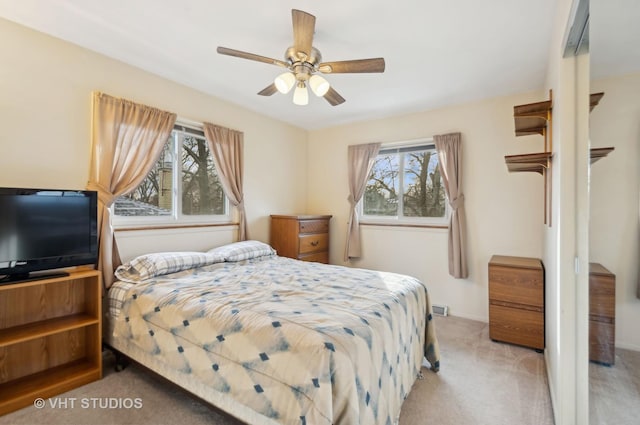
(480,383)
(614,392)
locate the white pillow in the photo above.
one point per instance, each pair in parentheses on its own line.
(156,264)
(244,250)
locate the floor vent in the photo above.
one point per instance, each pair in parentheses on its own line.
(441,310)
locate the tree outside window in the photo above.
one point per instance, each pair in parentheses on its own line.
(405,183)
(196,193)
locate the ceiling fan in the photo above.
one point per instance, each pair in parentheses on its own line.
(303,63)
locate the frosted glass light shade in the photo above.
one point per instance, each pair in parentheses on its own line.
(285,82)
(319,85)
(301,95)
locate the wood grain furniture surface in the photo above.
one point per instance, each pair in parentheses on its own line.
(50,337)
(516,301)
(304,237)
(535,118)
(602,314)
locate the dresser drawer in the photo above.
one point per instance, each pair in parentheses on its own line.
(602,296)
(318,257)
(516,326)
(313,243)
(515,285)
(314,226)
(602,314)
(602,342)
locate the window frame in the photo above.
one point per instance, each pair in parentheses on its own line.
(403,220)
(176,218)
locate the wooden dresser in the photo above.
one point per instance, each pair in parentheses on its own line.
(602,314)
(305,237)
(516,301)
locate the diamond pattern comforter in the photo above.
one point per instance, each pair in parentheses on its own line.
(297,342)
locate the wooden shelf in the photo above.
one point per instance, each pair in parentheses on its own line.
(50,337)
(44,328)
(599,153)
(594,99)
(532,118)
(596,154)
(22,392)
(530,162)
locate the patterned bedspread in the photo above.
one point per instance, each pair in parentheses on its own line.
(298,342)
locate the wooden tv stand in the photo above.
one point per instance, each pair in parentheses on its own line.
(50,337)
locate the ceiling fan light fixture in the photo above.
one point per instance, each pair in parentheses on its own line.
(301,95)
(303,61)
(319,85)
(285,82)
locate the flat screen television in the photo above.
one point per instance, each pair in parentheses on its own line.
(42,230)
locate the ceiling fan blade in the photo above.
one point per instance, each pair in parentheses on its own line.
(304,25)
(251,56)
(269,90)
(333,97)
(352,66)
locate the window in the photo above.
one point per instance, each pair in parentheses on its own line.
(182,187)
(405,186)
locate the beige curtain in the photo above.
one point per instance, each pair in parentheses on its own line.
(449,147)
(127,139)
(226,148)
(361,159)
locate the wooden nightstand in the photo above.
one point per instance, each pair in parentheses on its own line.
(304,237)
(516,301)
(602,314)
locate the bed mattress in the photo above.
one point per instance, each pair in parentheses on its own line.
(273,340)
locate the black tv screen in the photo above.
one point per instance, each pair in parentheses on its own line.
(45,229)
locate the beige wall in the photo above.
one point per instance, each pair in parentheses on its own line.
(615,197)
(504,211)
(45,92)
(46,87)
(45,110)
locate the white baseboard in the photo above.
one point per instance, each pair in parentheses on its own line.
(552,389)
(469,316)
(624,345)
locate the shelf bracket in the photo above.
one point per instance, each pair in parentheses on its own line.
(529,119)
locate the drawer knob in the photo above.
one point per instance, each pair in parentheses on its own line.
(315,243)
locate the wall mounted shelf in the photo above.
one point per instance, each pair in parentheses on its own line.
(597,153)
(534,118)
(531,119)
(535,162)
(594,99)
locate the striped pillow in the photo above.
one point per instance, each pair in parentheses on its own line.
(244,250)
(156,264)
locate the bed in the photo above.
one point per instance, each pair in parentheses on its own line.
(272,340)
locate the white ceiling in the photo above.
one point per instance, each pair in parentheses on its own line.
(437,52)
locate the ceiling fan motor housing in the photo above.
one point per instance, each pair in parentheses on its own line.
(303,65)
